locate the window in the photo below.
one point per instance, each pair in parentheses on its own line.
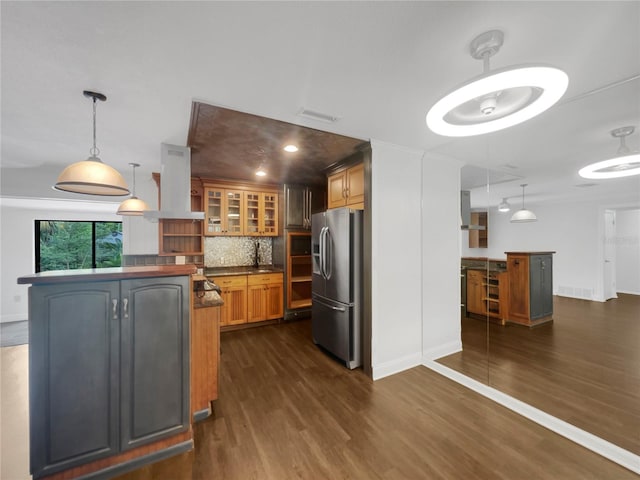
(69,245)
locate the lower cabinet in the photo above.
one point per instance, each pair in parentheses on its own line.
(265,297)
(250,298)
(531,287)
(108,368)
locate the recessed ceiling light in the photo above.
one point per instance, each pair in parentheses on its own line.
(496,99)
(625,164)
(290,148)
(261,171)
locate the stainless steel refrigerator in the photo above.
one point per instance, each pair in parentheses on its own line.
(336,309)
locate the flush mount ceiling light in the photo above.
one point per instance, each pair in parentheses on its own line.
(504,206)
(625,164)
(290,148)
(496,99)
(523,215)
(133,206)
(91,176)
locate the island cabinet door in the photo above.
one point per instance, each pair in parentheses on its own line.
(155,360)
(73,374)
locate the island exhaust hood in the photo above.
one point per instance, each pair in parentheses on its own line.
(175,185)
(465,212)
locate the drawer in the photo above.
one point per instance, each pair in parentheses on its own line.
(265,278)
(231,281)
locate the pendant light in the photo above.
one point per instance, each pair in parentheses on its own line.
(496,99)
(504,206)
(133,205)
(625,164)
(523,215)
(91,176)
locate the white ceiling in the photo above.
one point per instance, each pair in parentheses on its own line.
(378,66)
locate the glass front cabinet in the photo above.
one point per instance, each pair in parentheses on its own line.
(223,212)
(260,217)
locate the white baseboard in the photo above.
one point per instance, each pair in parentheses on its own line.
(396,366)
(596,444)
(13,317)
(442,350)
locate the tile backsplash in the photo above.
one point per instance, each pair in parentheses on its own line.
(236,251)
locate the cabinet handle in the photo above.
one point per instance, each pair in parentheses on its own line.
(125,307)
(114,302)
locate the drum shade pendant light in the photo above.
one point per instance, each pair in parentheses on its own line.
(496,99)
(625,164)
(523,215)
(133,205)
(504,206)
(91,176)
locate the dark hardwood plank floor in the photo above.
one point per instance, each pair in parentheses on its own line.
(286,410)
(583,368)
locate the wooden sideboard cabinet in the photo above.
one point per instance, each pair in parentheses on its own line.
(530,287)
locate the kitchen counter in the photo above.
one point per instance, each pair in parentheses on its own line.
(243,270)
(98,274)
(483,263)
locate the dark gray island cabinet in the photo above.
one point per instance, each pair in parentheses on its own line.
(108,370)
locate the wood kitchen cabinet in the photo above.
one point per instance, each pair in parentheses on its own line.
(180,236)
(108,371)
(260,214)
(234,295)
(488,294)
(223,211)
(530,287)
(205,359)
(265,297)
(475,292)
(346,188)
(479,238)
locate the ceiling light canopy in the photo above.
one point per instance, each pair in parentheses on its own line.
(504,206)
(133,206)
(91,176)
(496,99)
(523,215)
(625,164)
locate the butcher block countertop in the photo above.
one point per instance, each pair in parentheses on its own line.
(101,274)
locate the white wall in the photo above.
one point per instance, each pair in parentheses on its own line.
(416,257)
(396,258)
(441,257)
(628,251)
(17,242)
(140,236)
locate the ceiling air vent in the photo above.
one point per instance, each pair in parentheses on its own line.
(321,117)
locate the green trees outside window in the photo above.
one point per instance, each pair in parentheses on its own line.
(70,245)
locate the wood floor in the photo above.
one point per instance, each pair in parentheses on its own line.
(287,410)
(583,368)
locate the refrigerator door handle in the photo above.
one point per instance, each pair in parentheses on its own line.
(339,309)
(321,242)
(328,266)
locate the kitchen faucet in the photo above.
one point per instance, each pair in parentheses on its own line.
(256,255)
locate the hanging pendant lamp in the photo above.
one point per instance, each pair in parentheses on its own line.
(504,206)
(496,99)
(91,176)
(625,164)
(523,215)
(133,206)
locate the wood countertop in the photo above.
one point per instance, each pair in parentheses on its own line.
(102,274)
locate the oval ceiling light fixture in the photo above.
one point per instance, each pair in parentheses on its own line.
(523,215)
(133,206)
(625,164)
(91,176)
(496,99)
(261,171)
(290,148)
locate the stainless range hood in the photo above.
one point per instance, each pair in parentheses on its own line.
(465,212)
(175,185)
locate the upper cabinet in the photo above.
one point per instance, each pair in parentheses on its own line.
(235,210)
(479,238)
(300,203)
(260,214)
(346,187)
(223,211)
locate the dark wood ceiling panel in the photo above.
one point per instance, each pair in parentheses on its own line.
(229,144)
